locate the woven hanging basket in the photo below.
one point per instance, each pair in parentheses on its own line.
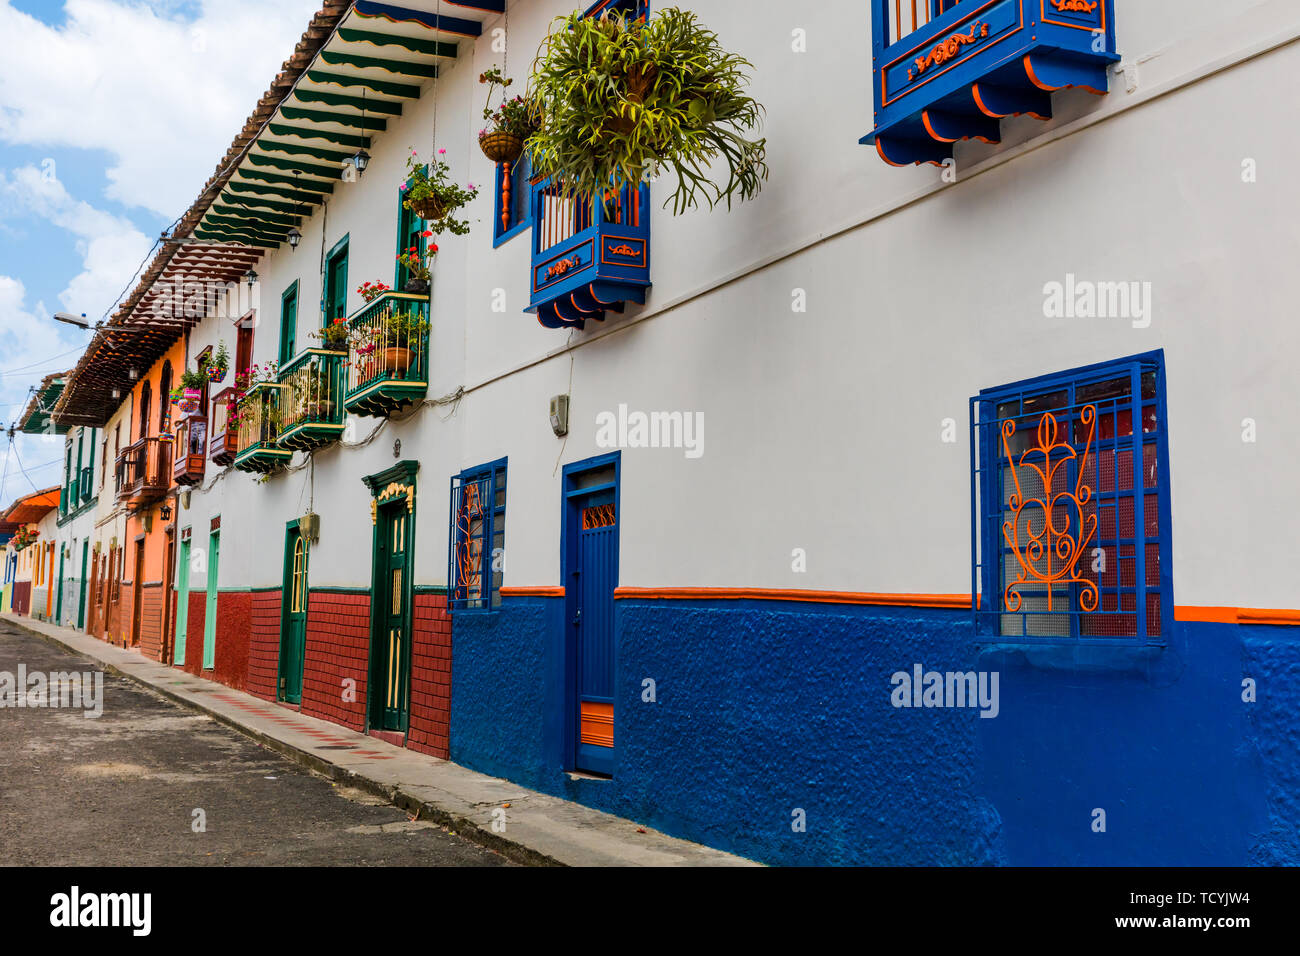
(428,208)
(501,146)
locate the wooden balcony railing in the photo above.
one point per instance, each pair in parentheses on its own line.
(258,421)
(190,449)
(311,403)
(143,470)
(591,253)
(224,443)
(388,356)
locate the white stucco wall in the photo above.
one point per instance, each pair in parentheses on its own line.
(823,428)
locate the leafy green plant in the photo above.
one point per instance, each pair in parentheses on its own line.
(432,182)
(221,361)
(192,379)
(402,329)
(336,336)
(515,116)
(620,100)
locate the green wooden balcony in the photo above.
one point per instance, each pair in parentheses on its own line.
(311,407)
(258,420)
(388,355)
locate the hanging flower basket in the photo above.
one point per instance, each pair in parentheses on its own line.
(658,95)
(166,438)
(216,374)
(501,146)
(430,207)
(430,193)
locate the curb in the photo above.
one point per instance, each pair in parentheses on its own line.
(396,796)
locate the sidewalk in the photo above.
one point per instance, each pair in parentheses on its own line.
(540,829)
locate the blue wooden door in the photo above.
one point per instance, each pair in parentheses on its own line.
(594,577)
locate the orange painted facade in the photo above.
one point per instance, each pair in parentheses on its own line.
(145,611)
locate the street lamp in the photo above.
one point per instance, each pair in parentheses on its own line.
(80,321)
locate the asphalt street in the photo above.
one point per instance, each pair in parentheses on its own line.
(149,782)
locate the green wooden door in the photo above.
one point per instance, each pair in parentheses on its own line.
(336,284)
(182,602)
(210,612)
(391,633)
(293,624)
(58,603)
(289,325)
(85,584)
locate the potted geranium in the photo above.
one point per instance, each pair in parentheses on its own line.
(415,263)
(396,339)
(656,94)
(509,125)
(369,291)
(335,336)
(431,195)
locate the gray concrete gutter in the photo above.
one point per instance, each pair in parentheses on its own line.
(521,824)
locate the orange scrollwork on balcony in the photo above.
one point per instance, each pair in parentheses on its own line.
(948,49)
(1065,542)
(563,266)
(1075,6)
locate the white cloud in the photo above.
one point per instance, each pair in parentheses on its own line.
(26,338)
(164,95)
(111,248)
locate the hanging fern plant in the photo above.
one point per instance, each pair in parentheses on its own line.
(620,100)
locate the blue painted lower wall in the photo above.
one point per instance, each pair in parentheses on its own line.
(768,708)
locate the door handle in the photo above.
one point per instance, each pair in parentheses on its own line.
(578,620)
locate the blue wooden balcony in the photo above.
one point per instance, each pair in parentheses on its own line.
(591,254)
(951,70)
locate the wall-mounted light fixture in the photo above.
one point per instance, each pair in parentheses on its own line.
(165,512)
(560,415)
(251,278)
(133,373)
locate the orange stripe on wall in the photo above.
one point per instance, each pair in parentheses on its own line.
(778,594)
(533,592)
(1235,615)
(1182,612)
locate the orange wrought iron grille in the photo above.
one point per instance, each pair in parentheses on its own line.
(1070,537)
(477,553)
(1049,555)
(598,516)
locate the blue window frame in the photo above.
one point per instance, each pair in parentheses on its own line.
(512,209)
(477,538)
(1065,445)
(629,8)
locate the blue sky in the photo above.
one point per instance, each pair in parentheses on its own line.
(113,113)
